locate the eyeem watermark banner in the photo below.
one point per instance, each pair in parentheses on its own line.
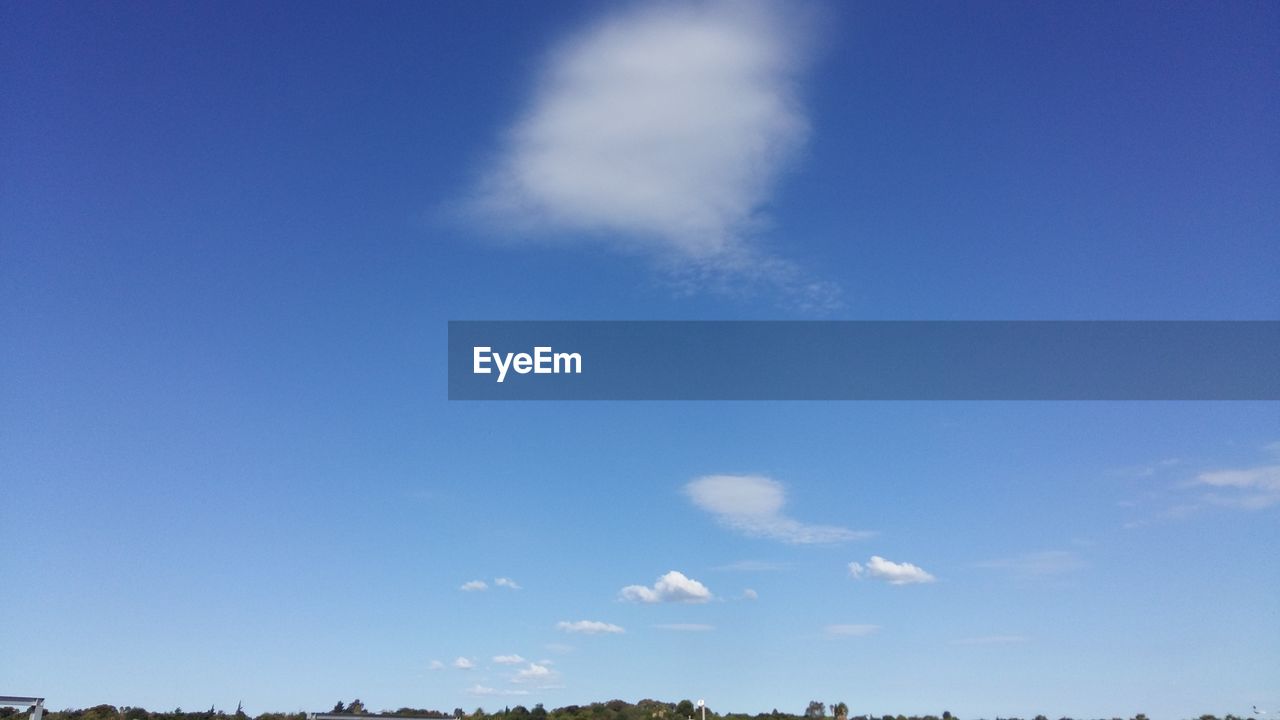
(878,360)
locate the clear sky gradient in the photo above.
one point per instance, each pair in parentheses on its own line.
(231,235)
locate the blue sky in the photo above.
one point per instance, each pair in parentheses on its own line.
(231,236)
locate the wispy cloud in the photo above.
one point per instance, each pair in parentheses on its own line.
(463,663)
(661,130)
(877,568)
(686,627)
(507,583)
(435,665)
(508,660)
(752,505)
(1249,488)
(851,630)
(1147,470)
(474,586)
(1254,488)
(749,594)
(1048,562)
(672,587)
(589,627)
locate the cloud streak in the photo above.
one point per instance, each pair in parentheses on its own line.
(752,505)
(660,130)
(589,627)
(686,627)
(1253,488)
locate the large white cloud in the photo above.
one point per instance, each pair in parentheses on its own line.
(672,587)
(661,129)
(752,505)
(589,627)
(891,572)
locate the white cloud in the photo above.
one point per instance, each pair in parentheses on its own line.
(435,665)
(589,627)
(508,659)
(891,572)
(660,130)
(752,505)
(1049,562)
(1250,488)
(686,627)
(506,583)
(672,587)
(474,585)
(750,594)
(463,663)
(536,674)
(851,630)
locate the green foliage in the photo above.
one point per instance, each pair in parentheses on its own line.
(647,709)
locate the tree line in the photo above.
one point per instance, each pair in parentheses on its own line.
(610,710)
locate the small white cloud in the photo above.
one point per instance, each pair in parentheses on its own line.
(508,660)
(1253,488)
(891,572)
(435,665)
(506,583)
(686,627)
(752,505)
(672,587)
(851,630)
(750,594)
(1049,562)
(536,674)
(589,627)
(474,586)
(463,663)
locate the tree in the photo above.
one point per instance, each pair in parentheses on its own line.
(357,708)
(815,710)
(340,707)
(840,710)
